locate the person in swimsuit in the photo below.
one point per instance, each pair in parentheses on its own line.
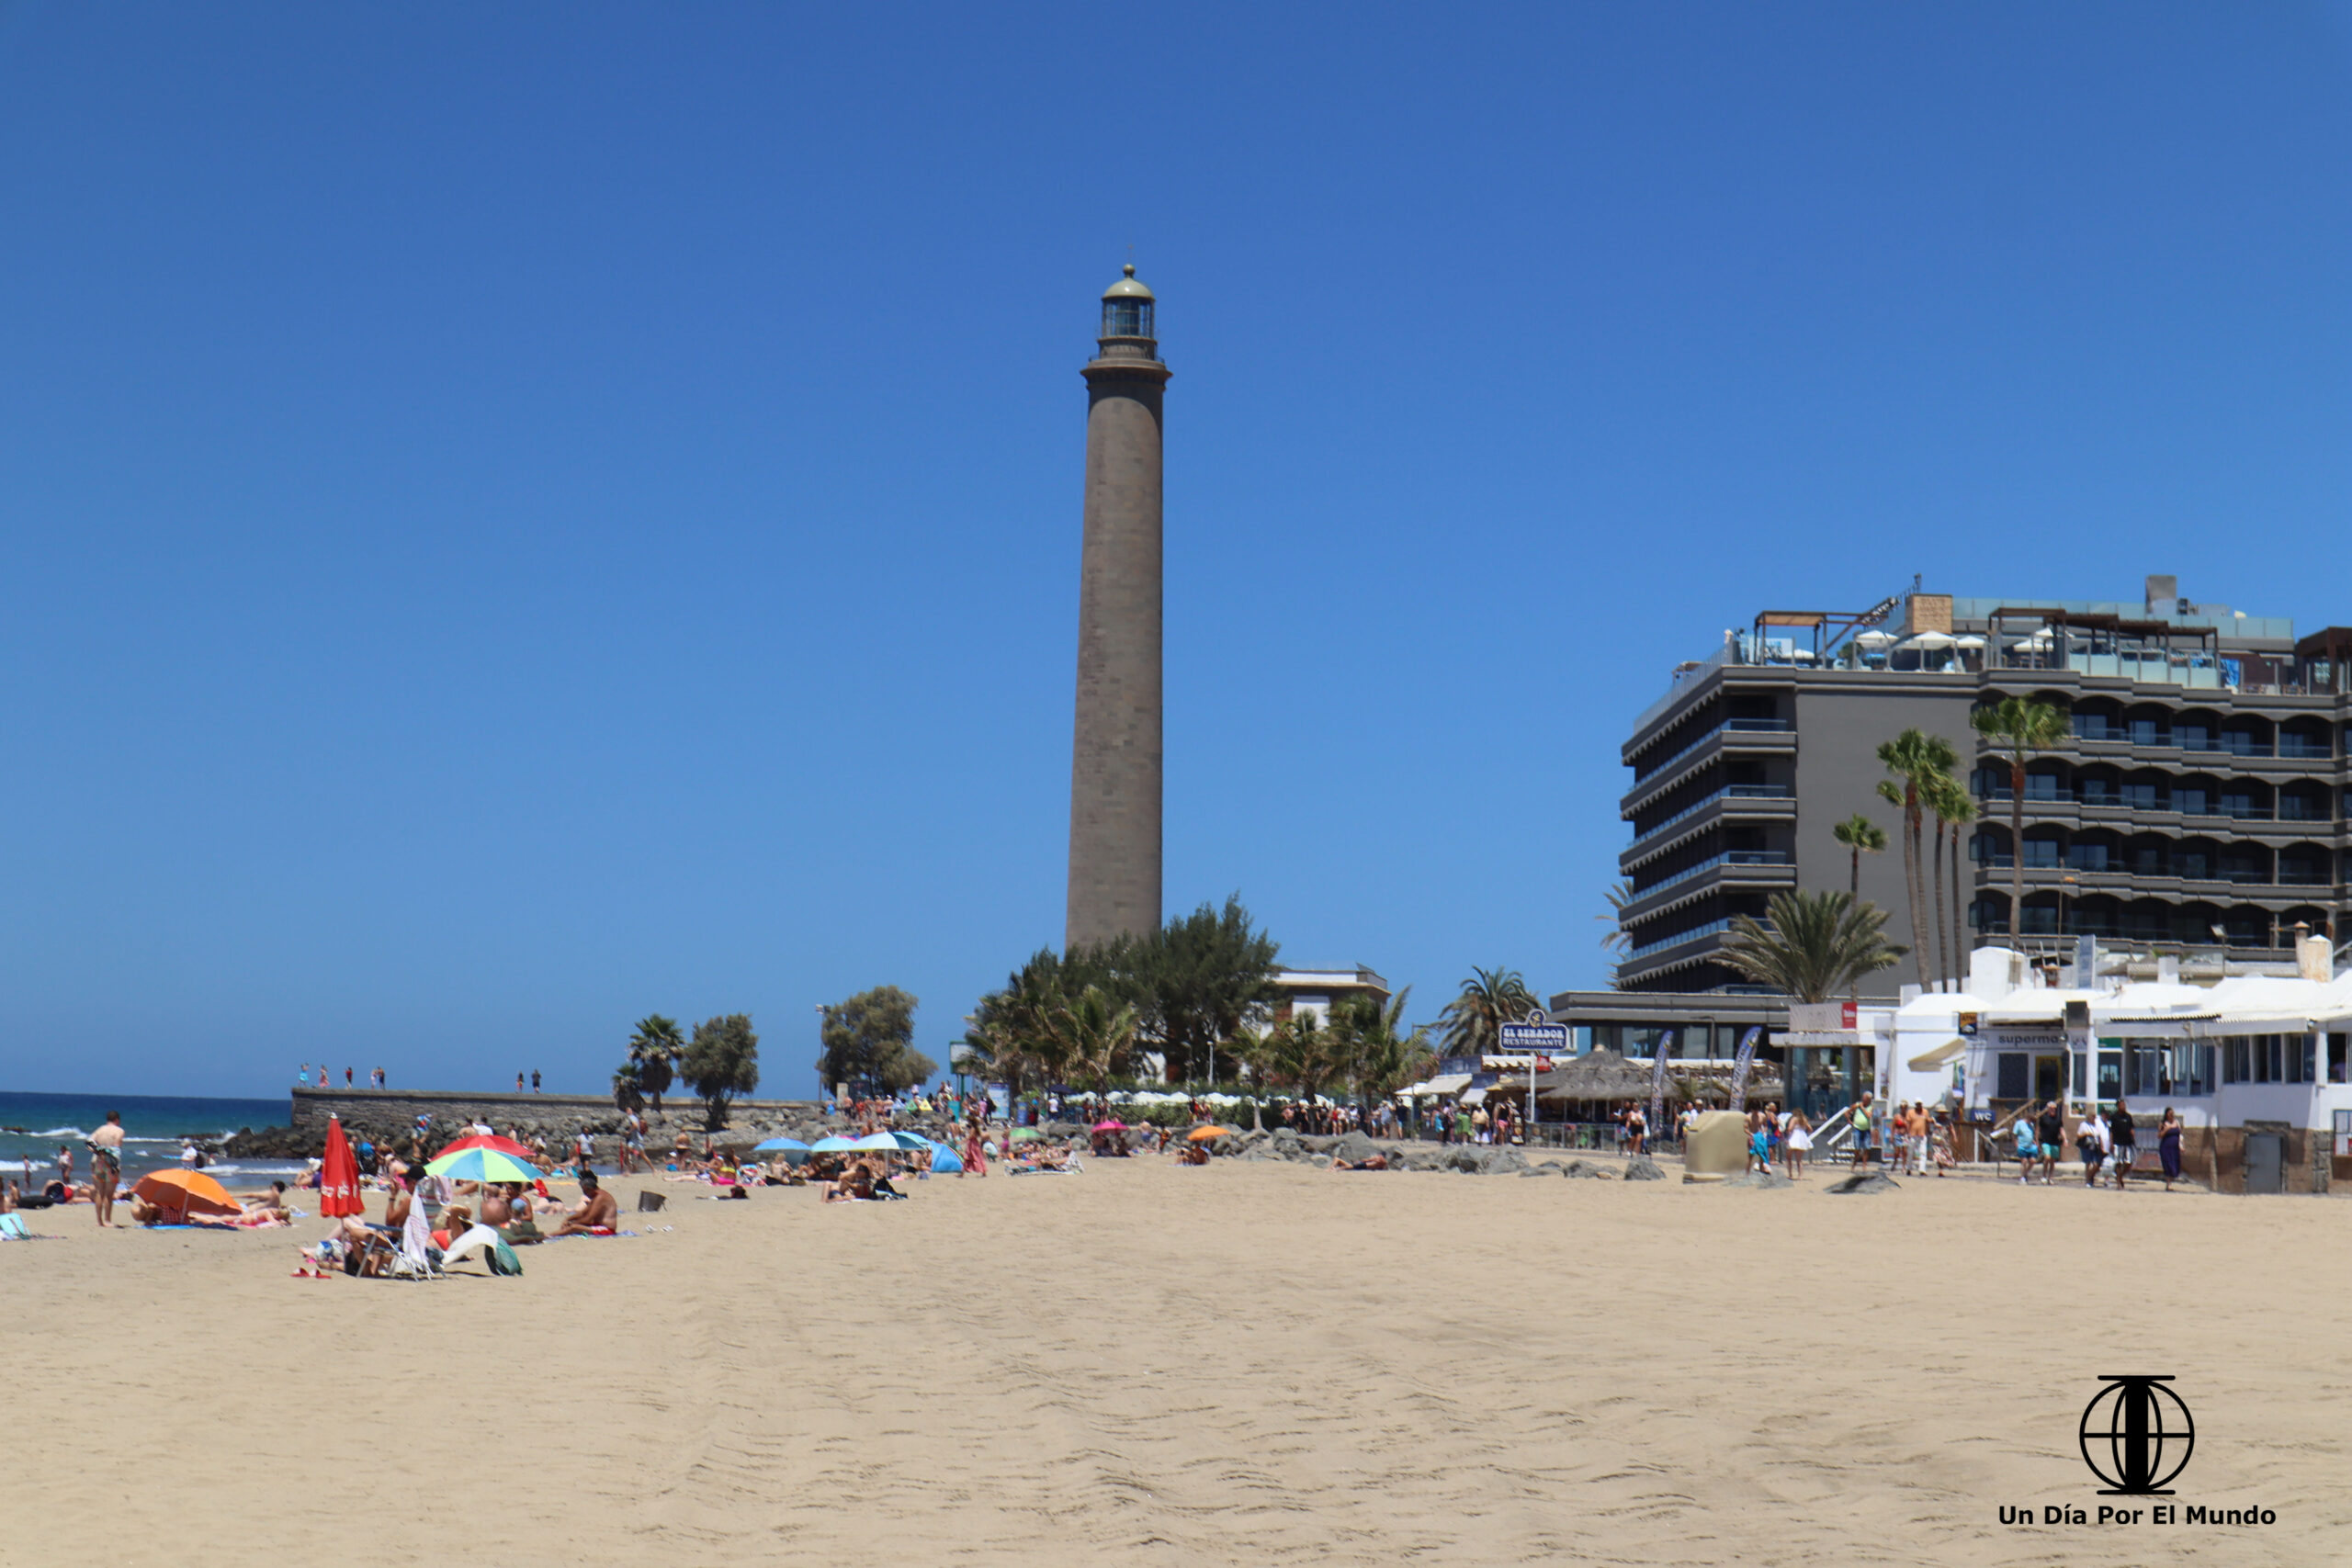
(106,1165)
(597,1209)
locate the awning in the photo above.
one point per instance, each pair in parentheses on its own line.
(1447,1083)
(1474,1097)
(1950,1051)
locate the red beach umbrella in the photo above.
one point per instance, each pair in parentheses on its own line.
(503,1144)
(339,1177)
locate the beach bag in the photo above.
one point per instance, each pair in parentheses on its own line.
(503,1260)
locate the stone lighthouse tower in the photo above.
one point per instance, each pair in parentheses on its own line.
(1114,766)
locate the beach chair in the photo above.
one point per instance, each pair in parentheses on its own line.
(414,1258)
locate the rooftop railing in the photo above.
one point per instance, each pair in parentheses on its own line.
(1691,934)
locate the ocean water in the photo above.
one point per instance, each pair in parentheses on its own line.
(33,1125)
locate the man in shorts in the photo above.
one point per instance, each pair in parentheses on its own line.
(2050,1129)
(1858,1120)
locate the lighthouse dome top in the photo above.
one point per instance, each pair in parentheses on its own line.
(1128,288)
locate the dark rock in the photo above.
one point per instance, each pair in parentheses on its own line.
(1868,1181)
(1353,1146)
(1759,1179)
(1317,1142)
(1501,1161)
(1641,1168)
(1578,1170)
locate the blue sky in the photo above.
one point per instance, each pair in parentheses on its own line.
(515,518)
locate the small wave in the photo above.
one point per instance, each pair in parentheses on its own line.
(57,1133)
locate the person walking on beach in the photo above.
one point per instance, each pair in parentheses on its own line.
(106,1165)
(1796,1142)
(1858,1123)
(2168,1146)
(2028,1140)
(2050,1128)
(65,1167)
(2125,1138)
(2090,1145)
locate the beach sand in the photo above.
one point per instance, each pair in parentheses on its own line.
(1241,1363)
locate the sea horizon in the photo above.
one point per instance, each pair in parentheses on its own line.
(33,1124)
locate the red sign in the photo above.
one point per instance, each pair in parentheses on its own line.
(1845,1015)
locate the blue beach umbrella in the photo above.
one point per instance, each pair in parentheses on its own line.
(876,1142)
(910,1142)
(833,1146)
(792,1149)
(946,1161)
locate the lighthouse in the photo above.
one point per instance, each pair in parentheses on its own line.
(1116,759)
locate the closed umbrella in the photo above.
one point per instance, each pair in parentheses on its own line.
(339,1176)
(179,1193)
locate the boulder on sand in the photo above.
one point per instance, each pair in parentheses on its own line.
(1717,1145)
(1865,1182)
(1353,1146)
(1641,1168)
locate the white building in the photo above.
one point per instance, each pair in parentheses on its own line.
(2256,1065)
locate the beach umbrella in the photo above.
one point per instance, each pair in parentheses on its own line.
(774,1145)
(339,1177)
(912,1142)
(834,1145)
(504,1145)
(876,1142)
(1202,1134)
(1026,1134)
(181,1192)
(1109,1126)
(483,1165)
(944,1161)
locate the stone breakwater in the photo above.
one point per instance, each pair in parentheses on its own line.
(389,1116)
(1475,1159)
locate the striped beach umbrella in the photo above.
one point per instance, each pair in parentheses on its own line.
(483,1165)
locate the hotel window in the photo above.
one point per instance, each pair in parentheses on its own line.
(2147,732)
(2041,787)
(2141,797)
(2304,1056)
(2189,800)
(2336,1054)
(2191,736)
(2111,1074)
(2042,852)
(2236,1060)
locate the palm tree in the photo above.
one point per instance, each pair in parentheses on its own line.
(2022,726)
(1300,1053)
(625,1095)
(1617,939)
(1096,1033)
(1862,836)
(1373,1048)
(1955,809)
(1489,999)
(1916,758)
(655,1050)
(1816,944)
